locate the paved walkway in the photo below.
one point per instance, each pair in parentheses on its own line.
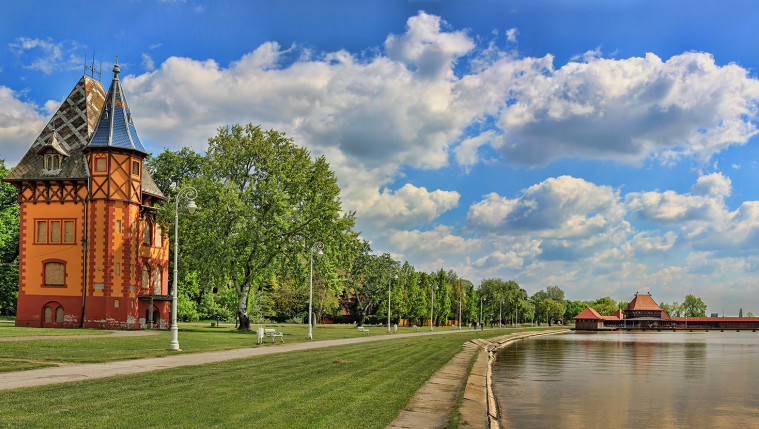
(60,337)
(62,374)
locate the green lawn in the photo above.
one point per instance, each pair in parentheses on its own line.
(8,330)
(351,386)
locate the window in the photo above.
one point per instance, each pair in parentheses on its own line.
(55,273)
(41,231)
(101,164)
(53,161)
(157,281)
(147,232)
(55,231)
(48,314)
(117,268)
(118,226)
(145,277)
(158,232)
(68,231)
(59,314)
(135,168)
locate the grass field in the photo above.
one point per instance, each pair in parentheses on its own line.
(350,386)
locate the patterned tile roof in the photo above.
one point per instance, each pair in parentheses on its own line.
(115,126)
(642,302)
(68,131)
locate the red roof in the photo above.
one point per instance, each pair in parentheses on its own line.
(618,314)
(642,302)
(716,319)
(589,313)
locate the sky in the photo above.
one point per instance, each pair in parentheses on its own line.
(605,147)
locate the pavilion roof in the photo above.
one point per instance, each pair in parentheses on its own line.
(642,302)
(589,313)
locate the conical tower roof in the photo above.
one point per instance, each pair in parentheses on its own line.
(115,126)
(68,132)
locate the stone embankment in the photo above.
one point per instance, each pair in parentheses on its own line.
(433,403)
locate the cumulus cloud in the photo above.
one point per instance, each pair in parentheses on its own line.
(47,55)
(20,123)
(672,209)
(627,109)
(511,34)
(426,48)
(407,206)
(561,207)
(431,244)
(713,184)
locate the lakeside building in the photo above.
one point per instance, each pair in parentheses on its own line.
(643,313)
(90,251)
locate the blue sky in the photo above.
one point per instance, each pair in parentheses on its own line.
(606,147)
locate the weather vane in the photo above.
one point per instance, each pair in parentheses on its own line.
(91,67)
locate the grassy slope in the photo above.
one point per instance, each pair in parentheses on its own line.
(358,385)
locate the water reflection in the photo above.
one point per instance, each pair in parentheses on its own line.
(625,379)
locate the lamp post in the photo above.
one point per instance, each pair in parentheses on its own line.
(389,280)
(500,310)
(460,292)
(188,193)
(482,324)
(432,305)
(317,247)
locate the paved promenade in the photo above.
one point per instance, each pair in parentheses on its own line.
(77,372)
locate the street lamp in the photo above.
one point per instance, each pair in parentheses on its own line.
(432,305)
(460,292)
(500,310)
(317,247)
(190,194)
(482,325)
(389,280)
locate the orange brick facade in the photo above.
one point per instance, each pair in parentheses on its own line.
(90,252)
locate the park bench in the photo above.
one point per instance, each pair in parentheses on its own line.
(273,334)
(363,330)
(416,328)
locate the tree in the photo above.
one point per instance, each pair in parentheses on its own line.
(573,308)
(604,306)
(442,297)
(740,312)
(417,299)
(694,307)
(170,170)
(9,235)
(750,314)
(263,200)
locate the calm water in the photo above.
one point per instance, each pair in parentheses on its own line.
(681,379)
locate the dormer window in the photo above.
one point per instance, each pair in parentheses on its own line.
(53,162)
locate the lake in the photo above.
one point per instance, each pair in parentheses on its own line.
(630,379)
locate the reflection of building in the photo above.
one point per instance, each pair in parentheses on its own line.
(643,313)
(90,253)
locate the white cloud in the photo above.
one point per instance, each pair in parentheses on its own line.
(20,123)
(715,184)
(511,34)
(466,151)
(433,243)
(147,63)
(673,209)
(562,207)
(405,207)
(627,109)
(46,55)
(426,49)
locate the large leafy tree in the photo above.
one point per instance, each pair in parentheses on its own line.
(263,199)
(442,297)
(418,304)
(694,306)
(9,232)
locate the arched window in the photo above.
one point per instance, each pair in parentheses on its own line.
(59,314)
(145,277)
(147,233)
(55,274)
(157,280)
(48,312)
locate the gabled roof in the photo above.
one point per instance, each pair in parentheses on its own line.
(54,145)
(642,302)
(618,314)
(589,313)
(73,124)
(115,126)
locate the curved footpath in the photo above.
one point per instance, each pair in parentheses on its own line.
(87,371)
(432,404)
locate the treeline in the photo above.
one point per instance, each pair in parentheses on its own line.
(691,306)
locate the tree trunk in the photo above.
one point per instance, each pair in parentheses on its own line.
(242,311)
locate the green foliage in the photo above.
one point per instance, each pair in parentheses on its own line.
(9,234)
(604,306)
(263,201)
(187,308)
(694,306)
(573,308)
(675,309)
(443,297)
(170,170)
(210,308)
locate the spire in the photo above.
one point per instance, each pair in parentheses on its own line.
(115,127)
